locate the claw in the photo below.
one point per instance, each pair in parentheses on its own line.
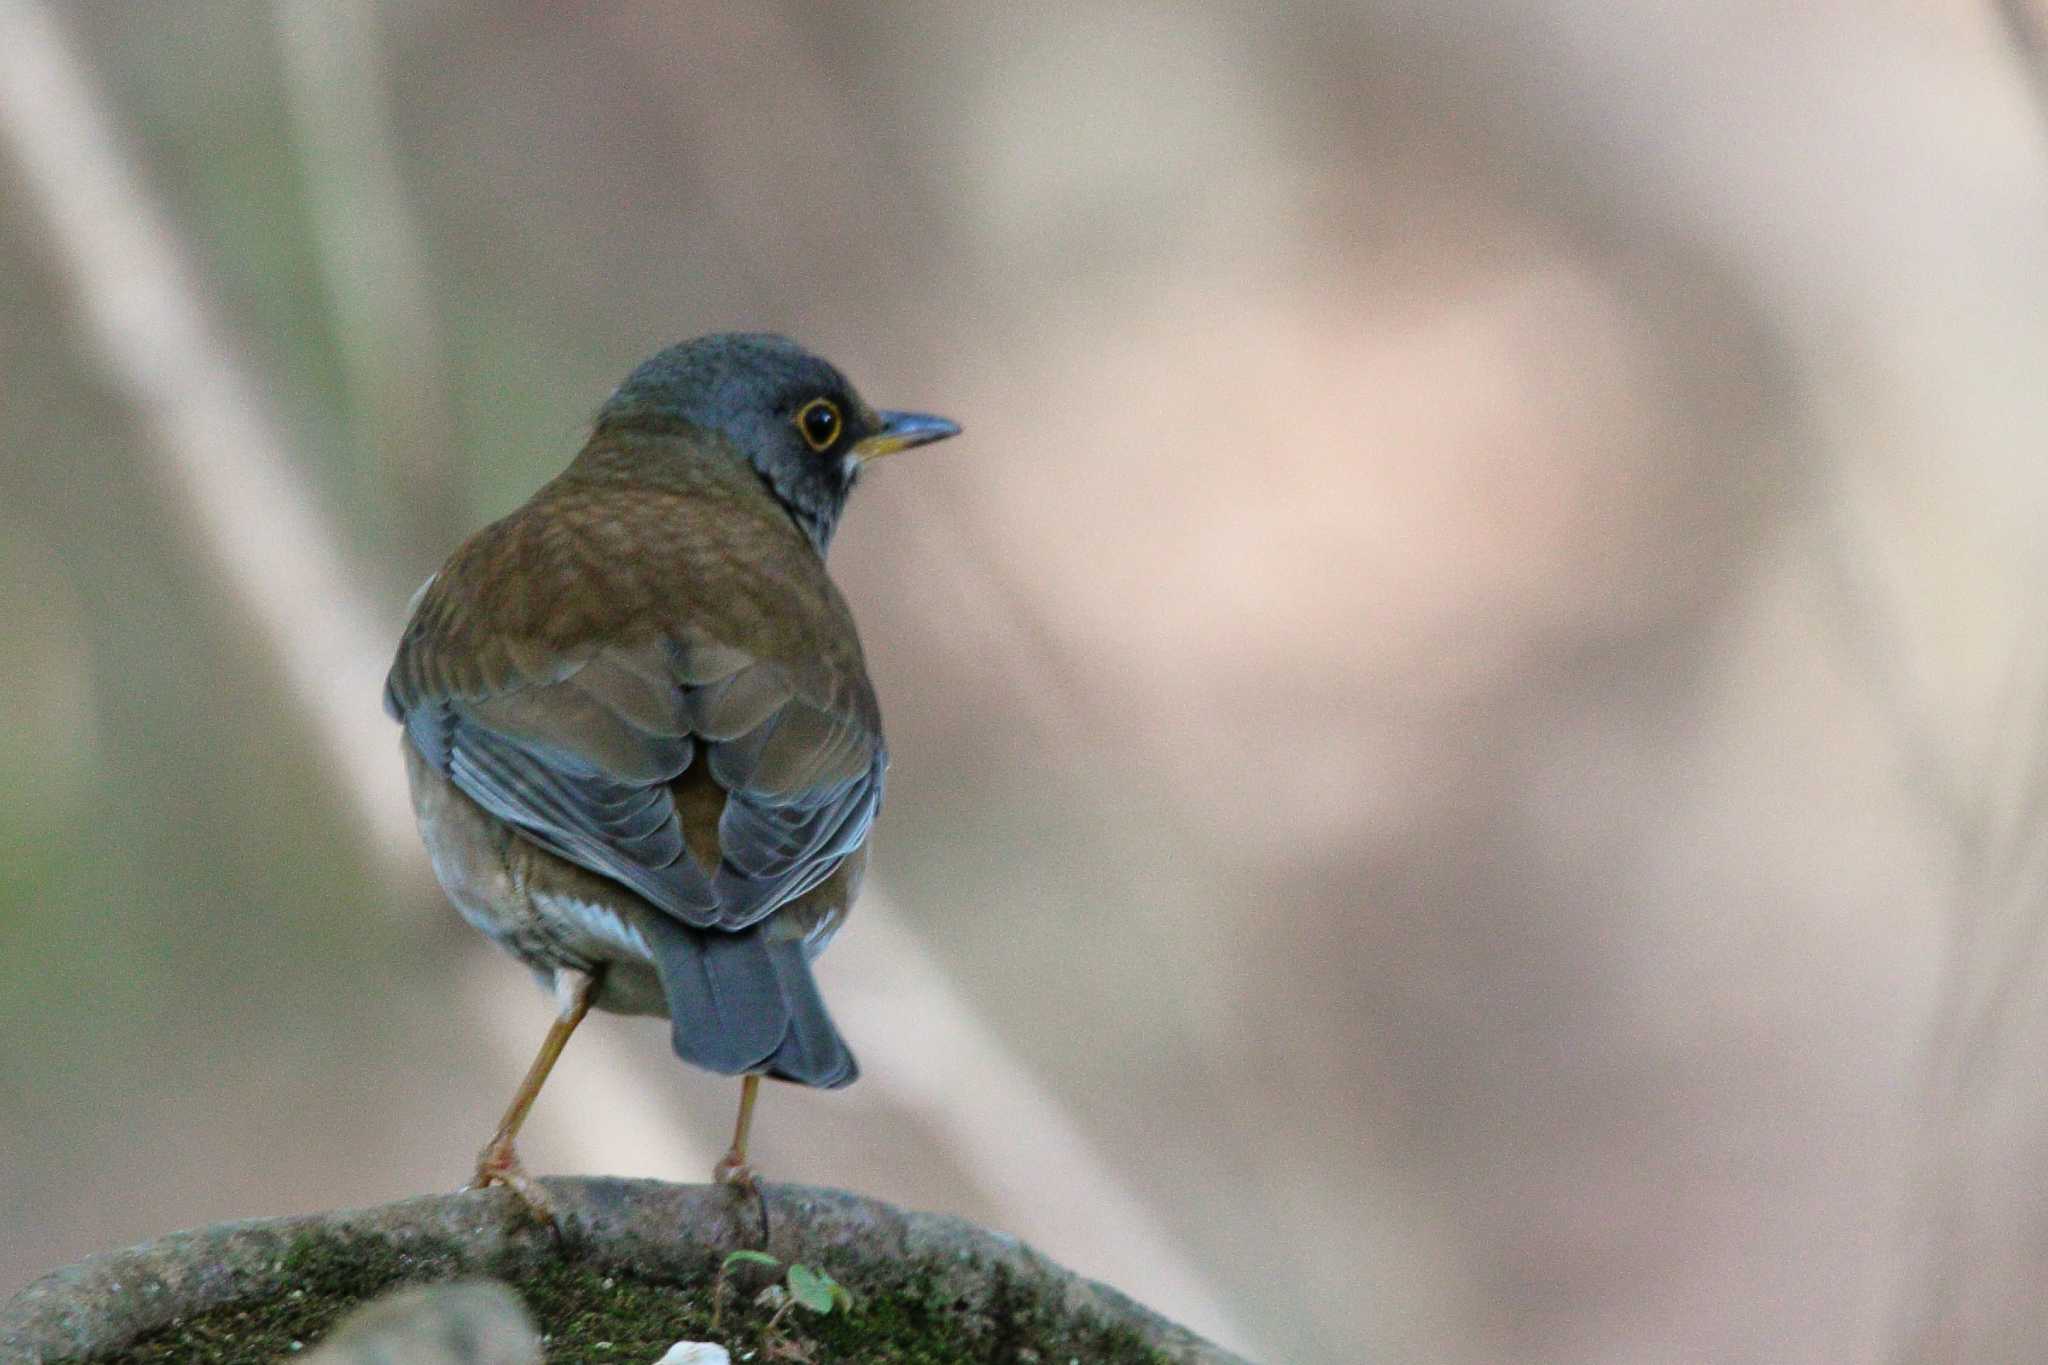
(498,1164)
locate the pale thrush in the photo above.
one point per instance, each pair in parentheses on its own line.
(644,751)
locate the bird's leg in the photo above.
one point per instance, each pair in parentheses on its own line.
(498,1164)
(732,1169)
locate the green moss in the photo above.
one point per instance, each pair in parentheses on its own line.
(327,1278)
(591,1312)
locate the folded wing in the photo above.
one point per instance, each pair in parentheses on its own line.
(581,747)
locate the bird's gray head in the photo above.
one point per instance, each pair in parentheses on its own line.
(792,415)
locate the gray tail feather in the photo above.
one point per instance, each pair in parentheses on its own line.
(742,1002)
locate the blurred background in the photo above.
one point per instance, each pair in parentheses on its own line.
(1468,716)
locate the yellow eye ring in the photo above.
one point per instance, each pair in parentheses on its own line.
(820,423)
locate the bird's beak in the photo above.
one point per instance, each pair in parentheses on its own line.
(901,431)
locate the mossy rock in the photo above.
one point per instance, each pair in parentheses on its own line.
(630,1271)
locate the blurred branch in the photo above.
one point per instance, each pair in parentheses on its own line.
(1990,808)
(1991,812)
(2028,32)
(226,461)
(239,491)
(371,263)
(216,446)
(1014,1140)
(2011,844)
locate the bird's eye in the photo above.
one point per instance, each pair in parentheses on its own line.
(818,420)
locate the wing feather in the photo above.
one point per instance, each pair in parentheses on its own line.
(581,741)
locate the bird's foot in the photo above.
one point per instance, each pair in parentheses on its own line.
(498,1164)
(733,1172)
(732,1169)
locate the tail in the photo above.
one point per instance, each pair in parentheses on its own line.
(741,1002)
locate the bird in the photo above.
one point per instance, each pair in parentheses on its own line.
(643,749)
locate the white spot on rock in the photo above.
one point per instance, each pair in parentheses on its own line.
(696,1353)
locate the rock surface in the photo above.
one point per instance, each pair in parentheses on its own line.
(109,1300)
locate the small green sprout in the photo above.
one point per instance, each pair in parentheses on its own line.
(817,1291)
(748,1258)
(801,1286)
